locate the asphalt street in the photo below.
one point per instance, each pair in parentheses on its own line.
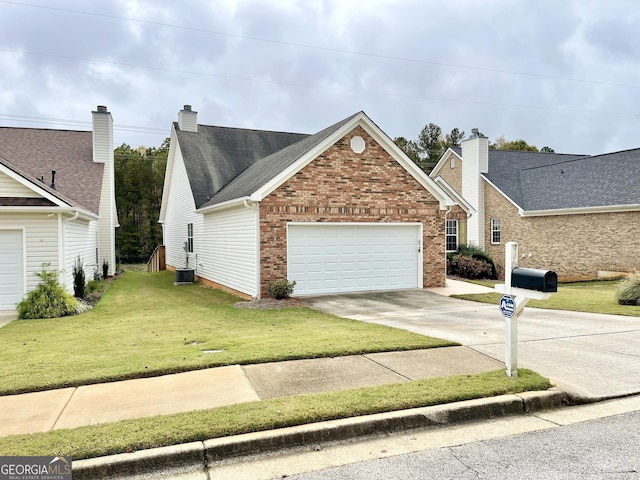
(599,449)
(597,441)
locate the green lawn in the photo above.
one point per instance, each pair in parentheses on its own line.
(131,435)
(146,326)
(595,297)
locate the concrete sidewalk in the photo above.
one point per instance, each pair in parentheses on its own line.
(216,387)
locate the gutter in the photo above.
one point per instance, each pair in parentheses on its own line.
(580,210)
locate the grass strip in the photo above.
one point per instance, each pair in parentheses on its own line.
(146,326)
(132,435)
(593,297)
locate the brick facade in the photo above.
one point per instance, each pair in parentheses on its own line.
(343,186)
(575,246)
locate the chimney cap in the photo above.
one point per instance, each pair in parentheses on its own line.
(475,133)
(187,108)
(102,109)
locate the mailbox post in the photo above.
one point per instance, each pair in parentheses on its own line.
(520,285)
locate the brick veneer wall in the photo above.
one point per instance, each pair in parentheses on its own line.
(575,246)
(453,176)
(343,186)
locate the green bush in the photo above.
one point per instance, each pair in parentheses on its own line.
(49,299)
(92,286)
(280,289)
(79,280)
(628,292)
(471,262)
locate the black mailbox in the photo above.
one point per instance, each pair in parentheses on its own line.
(534,279)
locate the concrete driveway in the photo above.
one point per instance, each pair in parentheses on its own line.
(592,356)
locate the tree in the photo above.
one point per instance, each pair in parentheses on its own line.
(139,179)
(430,143)
(547,150)
(409,147)
(502,143)
(454,138)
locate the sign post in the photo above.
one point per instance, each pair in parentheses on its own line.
(538,284)
(508,309)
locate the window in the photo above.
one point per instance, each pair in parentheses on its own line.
(495,230)
(452,162)
(190,237)
(452,235)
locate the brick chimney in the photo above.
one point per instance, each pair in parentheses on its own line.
(103,153)
(475,161)
(188,120)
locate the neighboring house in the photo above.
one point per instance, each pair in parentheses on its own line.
(575,214)
(343,210)
(57,203)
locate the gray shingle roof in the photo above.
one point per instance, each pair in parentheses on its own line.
(229,163)
(505,167)
(603,180)
(264,169)
(214,156)
(33,153)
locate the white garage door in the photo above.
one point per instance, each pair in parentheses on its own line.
(332,258)
(11,269)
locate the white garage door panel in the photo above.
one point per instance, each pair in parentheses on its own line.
(11,269)
(330,258)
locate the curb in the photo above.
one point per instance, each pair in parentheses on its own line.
(198,456)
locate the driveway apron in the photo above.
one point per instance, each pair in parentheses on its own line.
(592,356)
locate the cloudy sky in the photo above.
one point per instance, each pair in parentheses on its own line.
(560,73)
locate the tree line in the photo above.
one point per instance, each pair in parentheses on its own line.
(139,179)
(431,143)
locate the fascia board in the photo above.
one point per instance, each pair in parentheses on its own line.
(520,210)
(459,199)
(443,159)
(71,210)
(173,145)
(224,205)
(305,160)
(581,210)
(32,186)
(379,136)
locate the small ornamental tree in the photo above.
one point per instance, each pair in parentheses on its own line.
(79,280)
(49,299)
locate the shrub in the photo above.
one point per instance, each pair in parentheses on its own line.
(79,280)
(105,269)
(479,254)
(628,292)
(467,267)
(49,299)
(280,289)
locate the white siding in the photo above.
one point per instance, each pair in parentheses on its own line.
(41,241)
(475,154)
(103,153)
(10,188)
(225,242)
(227,249)
(80,241)
(180,212)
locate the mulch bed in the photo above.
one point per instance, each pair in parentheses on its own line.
(270,304)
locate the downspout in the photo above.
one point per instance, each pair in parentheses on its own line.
(63,245)
(446,214)
(255,206)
